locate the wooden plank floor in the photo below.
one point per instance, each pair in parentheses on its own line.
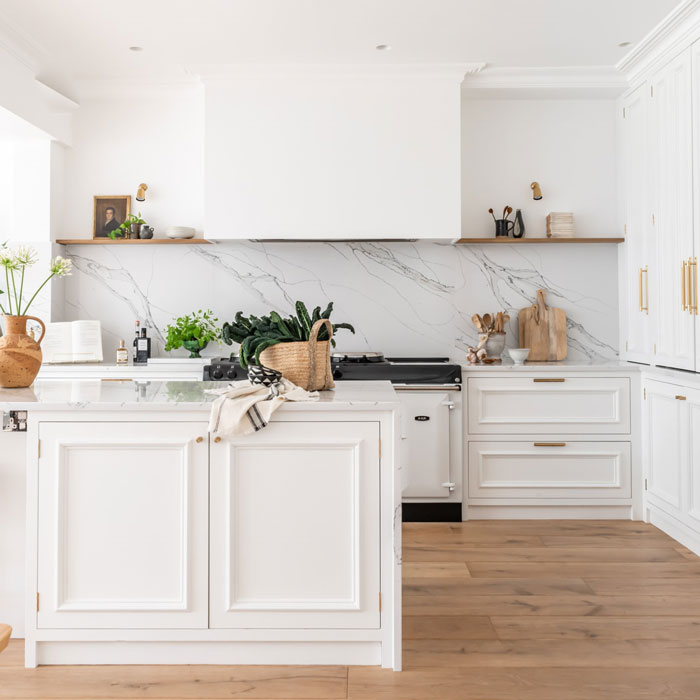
(493,610)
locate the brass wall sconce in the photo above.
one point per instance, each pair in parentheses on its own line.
(534,186)
(141,192)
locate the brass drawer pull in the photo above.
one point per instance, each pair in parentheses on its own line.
(549,444)
(679,397)
(199,439)
(217,439)
(549,379)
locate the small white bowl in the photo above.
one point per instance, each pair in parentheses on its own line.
(518,355)
(179,232)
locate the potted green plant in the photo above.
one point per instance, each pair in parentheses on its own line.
(129,228)
(288,344)
(192,332)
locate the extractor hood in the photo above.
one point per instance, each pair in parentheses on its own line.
(352,154)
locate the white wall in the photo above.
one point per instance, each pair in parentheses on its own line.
(568,146)
(119,142)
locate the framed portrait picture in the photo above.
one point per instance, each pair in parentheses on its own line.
(109,213)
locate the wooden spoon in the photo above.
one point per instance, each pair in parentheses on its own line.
(476,320)
(487,321)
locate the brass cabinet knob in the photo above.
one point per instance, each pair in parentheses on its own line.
(199,439)
(217,439)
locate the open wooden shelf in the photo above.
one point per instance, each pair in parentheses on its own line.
(133,241)
(524,241)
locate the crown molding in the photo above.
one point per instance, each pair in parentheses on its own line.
(680,26)
(452,71)
(543,82)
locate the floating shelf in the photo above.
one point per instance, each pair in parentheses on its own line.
(524,241)
(133,241)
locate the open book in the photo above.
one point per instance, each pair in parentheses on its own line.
(73,341)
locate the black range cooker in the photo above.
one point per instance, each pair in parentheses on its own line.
(363,366)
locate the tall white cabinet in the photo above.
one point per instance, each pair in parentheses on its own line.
(639,272)
(660,153)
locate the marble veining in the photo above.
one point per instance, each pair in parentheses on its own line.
(403,298)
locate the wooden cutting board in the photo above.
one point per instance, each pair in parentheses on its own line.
(542,328)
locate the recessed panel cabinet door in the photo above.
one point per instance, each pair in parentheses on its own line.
(640,269)
(670,117)
(294,527)
(123,525)
(666,449)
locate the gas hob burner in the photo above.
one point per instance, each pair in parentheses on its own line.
(360,358)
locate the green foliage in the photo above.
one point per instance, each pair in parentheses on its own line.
(200,326)
(257,334)
(123,230)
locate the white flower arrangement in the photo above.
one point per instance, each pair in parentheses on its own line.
(15,263)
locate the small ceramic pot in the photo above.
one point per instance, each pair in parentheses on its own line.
(20,354)
(495,345)
(146,231)
(193,347)
(134,231)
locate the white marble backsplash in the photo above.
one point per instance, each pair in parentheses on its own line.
(403,298)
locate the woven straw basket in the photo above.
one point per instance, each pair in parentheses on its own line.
(306,364)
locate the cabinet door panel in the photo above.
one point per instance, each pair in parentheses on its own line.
(123,525)
(693,469)
(639,270)
(294,527)
(672,180)
(665,455)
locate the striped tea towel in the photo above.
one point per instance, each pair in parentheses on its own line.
(244,408)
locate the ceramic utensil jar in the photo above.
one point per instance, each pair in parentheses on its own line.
(20,354)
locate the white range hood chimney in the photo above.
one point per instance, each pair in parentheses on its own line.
(333,153)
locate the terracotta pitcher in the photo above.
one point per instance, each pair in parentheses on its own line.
(20,354)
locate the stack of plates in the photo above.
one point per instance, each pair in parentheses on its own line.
(560,224)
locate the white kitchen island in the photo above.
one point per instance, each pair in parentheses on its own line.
(151,541)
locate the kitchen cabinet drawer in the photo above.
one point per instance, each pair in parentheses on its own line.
(550,469)
(549,404)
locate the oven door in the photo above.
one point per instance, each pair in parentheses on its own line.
(425,442)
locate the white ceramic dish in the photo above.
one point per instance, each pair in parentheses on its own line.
(179,232)
(518,355)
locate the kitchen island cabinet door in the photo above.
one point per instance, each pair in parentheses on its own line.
(122,532)
(295,528)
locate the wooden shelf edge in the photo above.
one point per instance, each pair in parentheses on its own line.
(136,241)
(524,241)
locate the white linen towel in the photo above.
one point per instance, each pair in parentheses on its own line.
(244,408)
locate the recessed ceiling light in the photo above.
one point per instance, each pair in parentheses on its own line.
(623,44)
(136,48)
(382,47)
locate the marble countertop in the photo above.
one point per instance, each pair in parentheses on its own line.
(100,395)
(567,365)
(158,368)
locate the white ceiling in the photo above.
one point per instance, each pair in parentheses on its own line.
(89,39)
